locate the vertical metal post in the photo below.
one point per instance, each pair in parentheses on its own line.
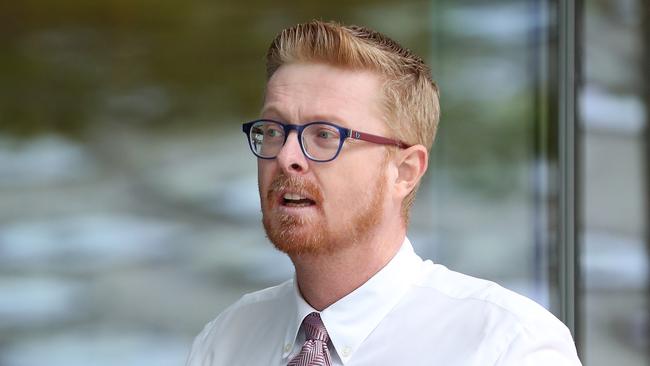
(567,144)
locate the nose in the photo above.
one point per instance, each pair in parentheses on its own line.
(290,158)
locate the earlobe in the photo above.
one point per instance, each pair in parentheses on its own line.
(411,167)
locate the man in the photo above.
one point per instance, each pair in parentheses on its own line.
(342,143)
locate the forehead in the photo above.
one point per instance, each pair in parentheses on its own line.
(302,92)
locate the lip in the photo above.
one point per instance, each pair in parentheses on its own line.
(280,197)
(296,210)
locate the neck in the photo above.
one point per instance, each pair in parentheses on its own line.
(326,278)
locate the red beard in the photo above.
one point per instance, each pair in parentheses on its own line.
(298,234)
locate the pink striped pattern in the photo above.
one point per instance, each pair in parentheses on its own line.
(314,352)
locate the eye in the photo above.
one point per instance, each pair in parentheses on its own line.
(326,134)
(273,132)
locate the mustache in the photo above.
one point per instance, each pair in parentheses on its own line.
(294,184)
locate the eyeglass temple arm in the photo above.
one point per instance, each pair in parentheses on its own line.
(377,139)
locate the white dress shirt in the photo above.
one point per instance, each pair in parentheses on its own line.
(412,312)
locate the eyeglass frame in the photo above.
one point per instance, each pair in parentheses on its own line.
(344,134)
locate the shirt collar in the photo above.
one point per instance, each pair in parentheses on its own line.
(351,319)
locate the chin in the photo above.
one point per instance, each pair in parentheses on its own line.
(295,238)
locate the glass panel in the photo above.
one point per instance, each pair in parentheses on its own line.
(615,318)
(492,188)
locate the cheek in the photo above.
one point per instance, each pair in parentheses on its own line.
(356,182)
(344,194)
(264,176)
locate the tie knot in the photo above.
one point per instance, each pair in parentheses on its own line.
(314,328)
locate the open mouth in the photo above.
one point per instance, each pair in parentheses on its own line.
(296,200)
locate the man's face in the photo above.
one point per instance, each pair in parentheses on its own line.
(310,207)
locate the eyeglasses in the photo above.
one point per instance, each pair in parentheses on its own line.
(319,141)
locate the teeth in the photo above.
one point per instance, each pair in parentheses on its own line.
(293,197)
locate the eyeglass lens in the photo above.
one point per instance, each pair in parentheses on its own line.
(320,141)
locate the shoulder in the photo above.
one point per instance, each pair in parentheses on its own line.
(253,305)
(263,297)
(512,325)
(480,293)
(228,330)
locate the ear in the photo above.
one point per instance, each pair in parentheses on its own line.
(411,165)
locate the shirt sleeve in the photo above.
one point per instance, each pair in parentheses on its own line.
(551,344)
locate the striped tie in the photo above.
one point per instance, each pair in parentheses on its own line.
(314,352)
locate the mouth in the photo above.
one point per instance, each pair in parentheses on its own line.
(296,200)
(293,196)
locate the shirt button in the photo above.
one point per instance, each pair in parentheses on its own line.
(346,351)
(287,347)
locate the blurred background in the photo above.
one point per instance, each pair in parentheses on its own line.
(129,214)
